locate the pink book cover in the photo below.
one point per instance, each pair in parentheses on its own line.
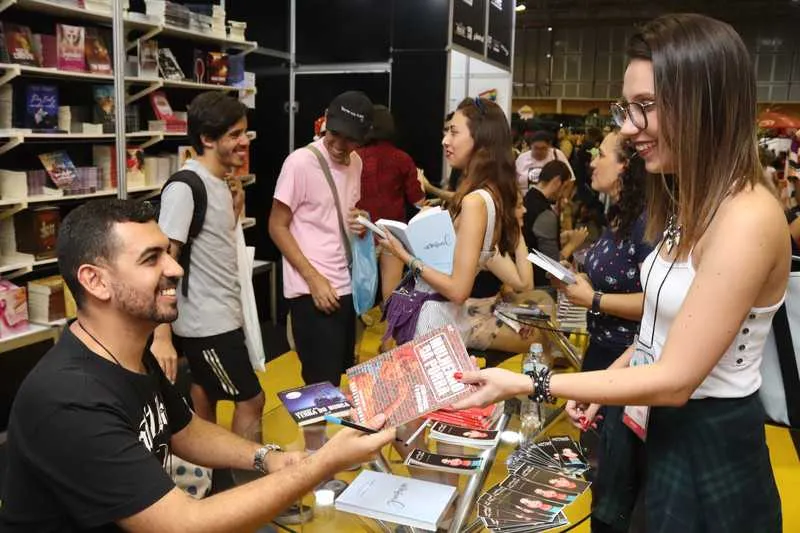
(71,47)
(413,379)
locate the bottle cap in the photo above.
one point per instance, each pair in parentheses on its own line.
(536,347)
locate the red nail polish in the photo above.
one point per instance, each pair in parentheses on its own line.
(458,375)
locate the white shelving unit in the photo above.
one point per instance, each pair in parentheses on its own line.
(137,27)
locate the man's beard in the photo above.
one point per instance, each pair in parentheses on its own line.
(142,306)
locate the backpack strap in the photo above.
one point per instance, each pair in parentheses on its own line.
(200,198)
(329,178)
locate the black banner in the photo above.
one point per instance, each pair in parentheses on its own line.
(501,27)
(469,24)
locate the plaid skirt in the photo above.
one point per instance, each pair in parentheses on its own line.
(705,467)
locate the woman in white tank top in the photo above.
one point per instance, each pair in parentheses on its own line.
(711,288)
(484,209)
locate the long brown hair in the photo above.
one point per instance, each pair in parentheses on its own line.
(491,167)
(706,102)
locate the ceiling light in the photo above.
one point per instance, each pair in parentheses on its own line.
(520,8)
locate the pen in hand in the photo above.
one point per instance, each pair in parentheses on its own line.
(336,420)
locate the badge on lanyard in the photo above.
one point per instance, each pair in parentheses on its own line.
(636,416)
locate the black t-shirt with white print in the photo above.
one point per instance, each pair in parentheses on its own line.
(88,442)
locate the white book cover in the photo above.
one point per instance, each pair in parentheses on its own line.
(555,268)
(401,500)
(429,236)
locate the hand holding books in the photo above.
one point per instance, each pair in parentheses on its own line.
(494,385)
(352,446)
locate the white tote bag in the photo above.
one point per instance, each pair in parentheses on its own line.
(780,369)
(252,327)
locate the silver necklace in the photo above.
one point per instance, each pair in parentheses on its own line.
(672,235)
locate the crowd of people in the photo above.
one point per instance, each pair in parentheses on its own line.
(684,252)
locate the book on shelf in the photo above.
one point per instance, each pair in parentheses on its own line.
(41,107)
(217,68)
(4,58)
(168,65)
(59,167)
(413,379)
(98,56)
(46,302)
(13,184)
(19,45)
(6,107)
(163,111)
(135,167)
(429,236)
(464,436)
(35,231)
(13,308)
(71,47)
(310,404)
(401,500)
(455,464)
(48,49)
(551,266)
(105,160)
(103,111)
(148,59)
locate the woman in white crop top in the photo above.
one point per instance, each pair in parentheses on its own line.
(486,215)
(711,288)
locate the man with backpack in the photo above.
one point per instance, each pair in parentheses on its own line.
(200,208)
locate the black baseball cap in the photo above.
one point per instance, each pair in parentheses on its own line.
(350,114)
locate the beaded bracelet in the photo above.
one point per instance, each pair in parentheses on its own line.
(541,385)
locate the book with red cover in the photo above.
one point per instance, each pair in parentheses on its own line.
(71,49)
(413,379)
(19,44)
(98,56)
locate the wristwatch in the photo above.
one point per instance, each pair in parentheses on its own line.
(261,454)
(596,303)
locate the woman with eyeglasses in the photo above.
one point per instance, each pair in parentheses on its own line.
(689,384)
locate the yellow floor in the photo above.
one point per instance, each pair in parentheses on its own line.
(284,372)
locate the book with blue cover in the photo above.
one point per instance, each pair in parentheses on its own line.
(429,235)
(400,500)
(41,107)
(310,404)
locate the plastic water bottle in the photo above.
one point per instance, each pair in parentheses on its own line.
(533,358)
(530,412)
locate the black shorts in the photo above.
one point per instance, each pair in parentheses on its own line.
(221,365)
(325,343)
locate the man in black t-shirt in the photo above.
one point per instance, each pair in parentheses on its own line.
(96,421)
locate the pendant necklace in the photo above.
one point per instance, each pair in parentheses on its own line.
(672,235)
(100,344)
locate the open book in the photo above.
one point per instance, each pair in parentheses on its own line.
(559,271)
(429,236)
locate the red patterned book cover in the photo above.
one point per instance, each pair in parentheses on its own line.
(413,379)
(71,48)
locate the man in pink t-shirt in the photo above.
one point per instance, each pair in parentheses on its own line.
(304,225)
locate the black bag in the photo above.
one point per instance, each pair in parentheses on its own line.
(200,198)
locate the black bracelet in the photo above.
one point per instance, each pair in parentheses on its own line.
(541,385)
(596,303)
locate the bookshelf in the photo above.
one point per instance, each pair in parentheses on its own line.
(18,145)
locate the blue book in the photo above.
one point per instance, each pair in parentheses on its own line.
(311,403)
(429,236)
(41,107)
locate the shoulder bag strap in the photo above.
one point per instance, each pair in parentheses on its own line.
(788,364)
(329,178)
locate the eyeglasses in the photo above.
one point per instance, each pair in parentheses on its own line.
(636,111)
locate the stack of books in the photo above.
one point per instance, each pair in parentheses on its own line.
(464,436)
(541,484)
(455,464)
